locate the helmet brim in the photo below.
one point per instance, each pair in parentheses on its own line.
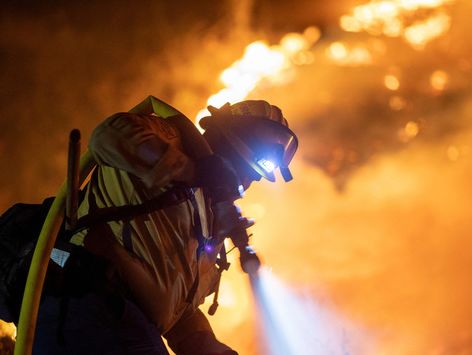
(261,134)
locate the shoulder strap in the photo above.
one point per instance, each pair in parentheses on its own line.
(169,198)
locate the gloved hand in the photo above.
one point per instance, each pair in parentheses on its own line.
(218,177)
(100,241)
(199,343)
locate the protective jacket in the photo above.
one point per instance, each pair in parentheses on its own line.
(139,157)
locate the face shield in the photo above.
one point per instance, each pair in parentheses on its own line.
(266,145)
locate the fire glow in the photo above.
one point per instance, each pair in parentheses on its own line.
(378,273)
(272,65)
(418,23)
(398,18)
(263,63)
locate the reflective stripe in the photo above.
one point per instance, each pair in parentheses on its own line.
(59,256)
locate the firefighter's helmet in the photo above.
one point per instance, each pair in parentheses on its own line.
(258,132)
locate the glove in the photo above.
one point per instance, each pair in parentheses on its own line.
(218,177)
(201,343)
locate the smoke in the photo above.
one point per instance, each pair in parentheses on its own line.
(391,252)
(67,65)
(375,225)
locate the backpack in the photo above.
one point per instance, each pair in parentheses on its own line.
(20,226)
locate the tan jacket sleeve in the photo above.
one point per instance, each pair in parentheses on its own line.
(146,146)
(192,335)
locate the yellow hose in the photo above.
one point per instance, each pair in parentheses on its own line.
(40,261)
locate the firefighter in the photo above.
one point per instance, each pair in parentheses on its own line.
(156,268)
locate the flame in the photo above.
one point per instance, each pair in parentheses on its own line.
(7,337)
(418,22)
(397,103)
(400,18)
(391,82)
(409,131)
(420,33)
(439,80)
(342,54)
(263,63)
(7,329)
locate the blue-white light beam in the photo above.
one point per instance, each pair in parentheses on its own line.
(294,323)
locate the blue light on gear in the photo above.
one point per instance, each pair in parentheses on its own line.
(267,165)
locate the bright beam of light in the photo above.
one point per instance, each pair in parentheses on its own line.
(293,323)
(267,165)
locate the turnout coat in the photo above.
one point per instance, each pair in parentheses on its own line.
(139,157)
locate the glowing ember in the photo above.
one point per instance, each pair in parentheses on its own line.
(338,50)
(439,80)
(7,329)
(391,82)
(341,54)
(262,62)
(396,18)
(411,129)
(397,103)
(7,337)
(420,33)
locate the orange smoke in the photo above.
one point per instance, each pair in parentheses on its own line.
(389,252)
(376,223)
(417,21)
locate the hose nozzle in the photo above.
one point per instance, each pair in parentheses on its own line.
(234,225)
(250,262)
(248,258)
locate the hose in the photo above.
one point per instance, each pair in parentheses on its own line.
(40,261)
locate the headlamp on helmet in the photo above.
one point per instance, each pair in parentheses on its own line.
(259,134)
(266,164)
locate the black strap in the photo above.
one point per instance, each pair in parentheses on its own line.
(197,225)
(201,246)
(172,197)
(169,198)
(223,265)
(126,236)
